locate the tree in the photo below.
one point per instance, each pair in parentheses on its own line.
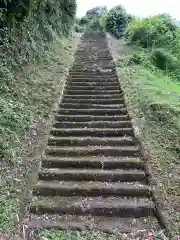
(117,20)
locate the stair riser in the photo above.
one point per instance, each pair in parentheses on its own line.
(93,177)
(96,77)
(91,192)
(94,88)
(106,112)
(92,84)
(87,133)
(81,118)
(91,165)
(90,106)
(93,153)
(93,97)
(89,142)
(92,92)
(91,101)
(93,125)
(134,212)
(92,79)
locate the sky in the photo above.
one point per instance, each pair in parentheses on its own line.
(142,8)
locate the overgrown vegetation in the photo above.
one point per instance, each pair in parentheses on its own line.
(34,51)
(117,21)
(93,20)
(99,18)
(29,28)
(151,65)
(89,235)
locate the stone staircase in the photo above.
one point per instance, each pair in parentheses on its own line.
(92,175)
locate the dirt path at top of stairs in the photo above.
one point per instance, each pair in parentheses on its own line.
(92,175)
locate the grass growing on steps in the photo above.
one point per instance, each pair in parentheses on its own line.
(70,235)
(26,107)
(153,99)
(88,235)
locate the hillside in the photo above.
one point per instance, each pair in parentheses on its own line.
(36,51)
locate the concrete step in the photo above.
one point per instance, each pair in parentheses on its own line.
(91,106)
(93,97)
(90,189)
(124,151)
(96,88)
(133,228)
(93,132)
(92,92)
(94,101)
(100,175)
(97,206)
(93,111)
(93,124)
(90,83)
(89,118)
(93,162)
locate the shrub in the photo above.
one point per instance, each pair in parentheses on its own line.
(164,60)
(150,32)
(27,42)
(117,20)
(93,19)
(95,25)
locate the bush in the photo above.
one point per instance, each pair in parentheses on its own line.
(95,25)
(150,32)
(21,45)
(164,60)
(93,19)
(117,20)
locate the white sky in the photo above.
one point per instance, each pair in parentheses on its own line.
(140,8)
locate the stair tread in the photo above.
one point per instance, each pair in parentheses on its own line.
(98,159)
(95,206)
(93,129)
(72,185)
(79,174)
(95,117)
(110,106)
(91,223)
(58,148)
(93,201)
(90,171)
(104,139)
(92,163)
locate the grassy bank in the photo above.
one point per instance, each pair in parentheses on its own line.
(153,101)
(26,109)
(35,55)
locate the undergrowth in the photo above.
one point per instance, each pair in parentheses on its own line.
(153,99)
(34,59)
(34,90)
(88,235)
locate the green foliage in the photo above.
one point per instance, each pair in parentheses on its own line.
(151,32)
(160,35)
(74,235)
(95,25)
(16,11)
(93,19)
(117,20)
(164,59)
(22,45)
